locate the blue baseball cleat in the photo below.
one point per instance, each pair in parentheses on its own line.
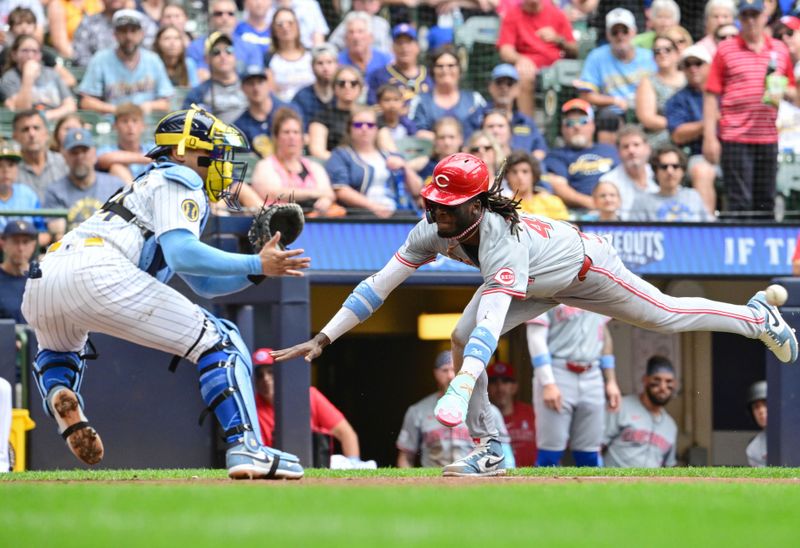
(250,460)
(486,459)
(778,335)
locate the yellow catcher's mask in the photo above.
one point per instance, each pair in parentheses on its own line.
(198,129)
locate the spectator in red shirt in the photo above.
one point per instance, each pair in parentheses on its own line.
(533,35)
(518,416)
(747,142)
(325,418)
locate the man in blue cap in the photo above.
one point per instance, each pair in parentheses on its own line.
(504,90)
(82,190)
(405,72)
(18,244)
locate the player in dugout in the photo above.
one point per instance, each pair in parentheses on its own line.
(529,264)
(109,275)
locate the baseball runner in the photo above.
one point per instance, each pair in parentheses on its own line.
(641,434)
(529,264)
(572,407)
(108,275)
(5,424)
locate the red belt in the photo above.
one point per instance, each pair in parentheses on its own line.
(587,263)
(576,367)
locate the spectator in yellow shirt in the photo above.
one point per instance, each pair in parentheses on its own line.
(524,177)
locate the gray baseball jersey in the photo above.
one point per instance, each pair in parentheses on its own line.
(438,445)
(574,335)
(757,450)
(559,264)
(635,438)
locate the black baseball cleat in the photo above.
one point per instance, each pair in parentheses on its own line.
(81,438)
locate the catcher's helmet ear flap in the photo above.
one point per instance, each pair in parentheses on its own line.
(456,179)
(198,129)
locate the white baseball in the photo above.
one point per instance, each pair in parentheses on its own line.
(777,295)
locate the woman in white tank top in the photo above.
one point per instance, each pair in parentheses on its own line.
(288,60)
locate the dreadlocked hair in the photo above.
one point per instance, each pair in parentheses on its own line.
(506,207)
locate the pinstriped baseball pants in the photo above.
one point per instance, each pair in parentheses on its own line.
(97,289)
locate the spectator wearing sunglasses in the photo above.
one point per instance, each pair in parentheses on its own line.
(673,202)
(222,93)
(719,17)
(328,128)
(222,17)
(576,167)
(787,30)
(612,72)
(364,176)
(684,113)
(655,89)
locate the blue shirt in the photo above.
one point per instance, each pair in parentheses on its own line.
(250,35)
(308,105)
(22,197)
(604,73)
(108,79)
(259,132)
(684,107)
(11,290)
(247,55)
(582,167)
(390,74)
(425,112)
(378,60)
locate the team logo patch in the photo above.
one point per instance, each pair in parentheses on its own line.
(190,210)
(505,276)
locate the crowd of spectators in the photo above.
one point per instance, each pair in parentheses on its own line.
(642,88)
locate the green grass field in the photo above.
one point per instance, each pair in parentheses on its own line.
(533,507)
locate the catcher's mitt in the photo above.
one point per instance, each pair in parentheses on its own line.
(286,218)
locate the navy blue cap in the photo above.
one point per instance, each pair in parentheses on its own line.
(751,5)
(253,71)
(443,358)
(404,29)
(19,228)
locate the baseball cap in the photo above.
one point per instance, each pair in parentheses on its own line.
(696,52)
(791,22)
(78,137)
(215,37)
(19,228)
(10,151)
(751,5)
(404,29)
(501,370)
(252,71)
(126,18)
(659,364)
(442,358)
(505,70)
(621,16)
(262,356)
(580,105)
(324,49)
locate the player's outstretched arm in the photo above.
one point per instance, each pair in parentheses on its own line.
(365,299)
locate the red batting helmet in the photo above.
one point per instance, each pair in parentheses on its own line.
(456,179)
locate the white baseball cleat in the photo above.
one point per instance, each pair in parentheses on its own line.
(778,335)
(486,459)
(81,438)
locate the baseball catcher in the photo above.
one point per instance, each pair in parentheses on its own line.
(108,275)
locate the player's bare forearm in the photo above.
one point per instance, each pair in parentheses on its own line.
(308,350)
(613,394)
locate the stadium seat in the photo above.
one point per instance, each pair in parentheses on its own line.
(476,41)
(557,87)
(413,147)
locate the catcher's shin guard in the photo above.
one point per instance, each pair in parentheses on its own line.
(226,372)
(58,377)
